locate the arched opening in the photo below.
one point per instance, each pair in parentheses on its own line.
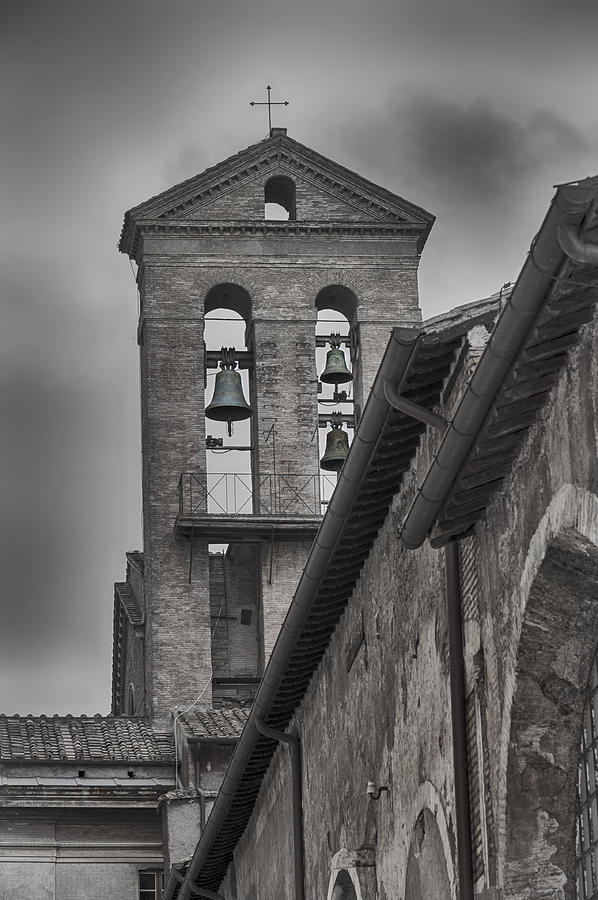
(338,298)
(553,661)
(334,352)
(427,874)
(279,198)
(231,297)
(343,889)
(233,567)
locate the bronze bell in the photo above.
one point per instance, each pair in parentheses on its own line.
(336,371)
(228,403)
(337,447)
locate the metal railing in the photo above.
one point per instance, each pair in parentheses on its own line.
(272,494)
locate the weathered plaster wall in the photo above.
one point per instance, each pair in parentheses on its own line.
(381,689)
(541,535)
(378,707)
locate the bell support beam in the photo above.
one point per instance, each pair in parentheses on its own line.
(243,358)
(345,418)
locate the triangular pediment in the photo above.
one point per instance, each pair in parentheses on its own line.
(233,190)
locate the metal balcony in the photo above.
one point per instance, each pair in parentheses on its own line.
(228,506)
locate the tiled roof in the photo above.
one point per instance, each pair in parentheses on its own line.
(82,738)
(216,723)
(519,400)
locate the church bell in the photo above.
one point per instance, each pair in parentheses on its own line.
(228,403)
(336,371)
(337,446)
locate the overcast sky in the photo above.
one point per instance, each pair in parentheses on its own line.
(469,108)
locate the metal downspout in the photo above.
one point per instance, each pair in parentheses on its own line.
(395,363)
(297,800)
(457,687)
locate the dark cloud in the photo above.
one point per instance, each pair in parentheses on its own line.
(104,105)
(474,154)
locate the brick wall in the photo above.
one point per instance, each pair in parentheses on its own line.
(234,612)
(282,274)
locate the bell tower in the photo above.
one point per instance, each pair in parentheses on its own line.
(253,254)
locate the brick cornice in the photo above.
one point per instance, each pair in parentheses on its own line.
(190,228)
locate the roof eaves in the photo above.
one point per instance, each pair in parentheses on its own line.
(158,205)
(307,627)
(524,309)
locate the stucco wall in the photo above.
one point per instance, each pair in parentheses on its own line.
(57,854)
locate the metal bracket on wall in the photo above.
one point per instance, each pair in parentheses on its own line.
(421,413)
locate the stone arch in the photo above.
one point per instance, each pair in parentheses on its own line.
(429,849)
(353,876)
(340,298)
(427,874)
(228,295)
(553,656)
(571,508)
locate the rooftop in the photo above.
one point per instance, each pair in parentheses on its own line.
(82,738)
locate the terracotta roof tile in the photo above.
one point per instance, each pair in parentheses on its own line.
(218,723)
(82,738)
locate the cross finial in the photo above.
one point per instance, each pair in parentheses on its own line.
(269,103)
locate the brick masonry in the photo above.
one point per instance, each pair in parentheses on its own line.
(281,274)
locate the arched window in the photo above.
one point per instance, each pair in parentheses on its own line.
(427,874)
(279,198)
(586,837)
(343,889)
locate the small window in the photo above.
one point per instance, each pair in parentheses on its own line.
(150,884)
(245,617)
(279,198)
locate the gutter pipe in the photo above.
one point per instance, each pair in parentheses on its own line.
(566,212)
(572,243)
(394,365)
(297,800)
(457,688)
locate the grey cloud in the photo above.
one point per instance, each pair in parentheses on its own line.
(477,154)
(465,153)
(190,160)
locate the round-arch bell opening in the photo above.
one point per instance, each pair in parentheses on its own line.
(229,296)
(227,317)
(338,298)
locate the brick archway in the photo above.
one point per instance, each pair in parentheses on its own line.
(555,650)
